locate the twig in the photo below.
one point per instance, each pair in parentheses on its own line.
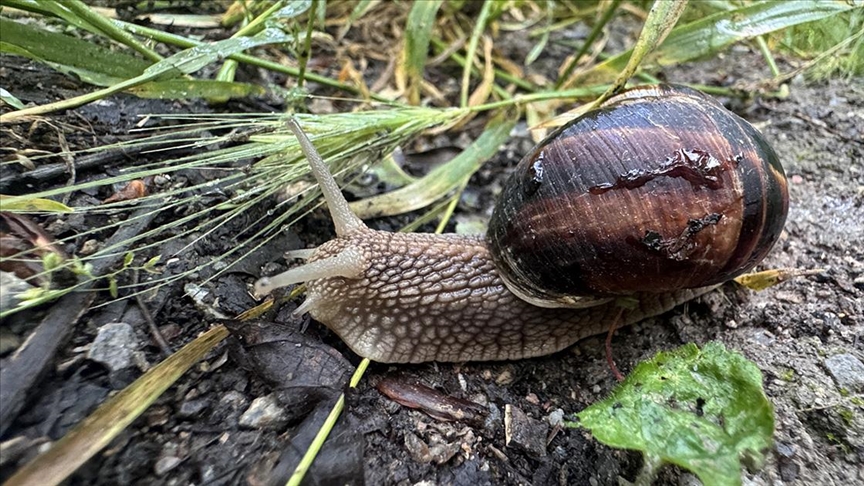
(154,329)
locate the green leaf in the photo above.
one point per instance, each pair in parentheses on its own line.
(294,9)
(195,58)
(718,31)
(150,265)
(31,204)
(443,179)
(418,32)
(95,64)
(112,286)
(51,261)
(703,410)
(178,89)
(128,258)
(661,19)
(10,99)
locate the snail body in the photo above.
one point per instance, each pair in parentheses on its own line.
(575,230)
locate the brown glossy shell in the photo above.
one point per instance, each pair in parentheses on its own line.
(661,188)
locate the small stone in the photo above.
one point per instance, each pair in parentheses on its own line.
(789,470)
(233,399)
(165,464)
(192,408)
(785,450)
(8,341)
(688,479)
(505,377)
(264,413)
(523,432)
(88,248)
(158,415)
(847,370)
(556,417)
(11,287)
(417,449)
(115,346)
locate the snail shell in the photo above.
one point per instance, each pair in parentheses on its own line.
(660,188)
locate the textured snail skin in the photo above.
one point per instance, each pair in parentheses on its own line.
(431,297)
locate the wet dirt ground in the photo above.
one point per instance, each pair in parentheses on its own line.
(196,433)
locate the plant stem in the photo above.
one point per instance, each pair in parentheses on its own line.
(109,28)
(471,51)
(309,457)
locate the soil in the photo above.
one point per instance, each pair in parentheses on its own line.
(194,433)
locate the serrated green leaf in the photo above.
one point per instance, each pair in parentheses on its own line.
(703,410)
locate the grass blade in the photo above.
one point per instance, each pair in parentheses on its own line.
(184,62)
(69,54)
(102,426)
(196,88)
(479,27)
(418,33)
(661,19)
(718,31)
(108,28)
(443,179)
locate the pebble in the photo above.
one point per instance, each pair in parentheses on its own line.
(8,341)
(115,346)
(233,399)
(165,464)
(193,408)
(11,287)
(523,432)
(264,413)
(556,417)
(847,370)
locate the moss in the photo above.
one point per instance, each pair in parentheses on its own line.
(848,415)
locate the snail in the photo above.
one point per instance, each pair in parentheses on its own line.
(654,198)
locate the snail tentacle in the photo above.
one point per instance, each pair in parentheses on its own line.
(343,218)
(349,263)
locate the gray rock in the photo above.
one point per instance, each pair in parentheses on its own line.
(11,287)
(115,346)
(847,370)
(193,408)
(524,432)
(165,464)
(264,413)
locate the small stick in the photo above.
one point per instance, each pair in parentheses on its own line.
(154,329)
